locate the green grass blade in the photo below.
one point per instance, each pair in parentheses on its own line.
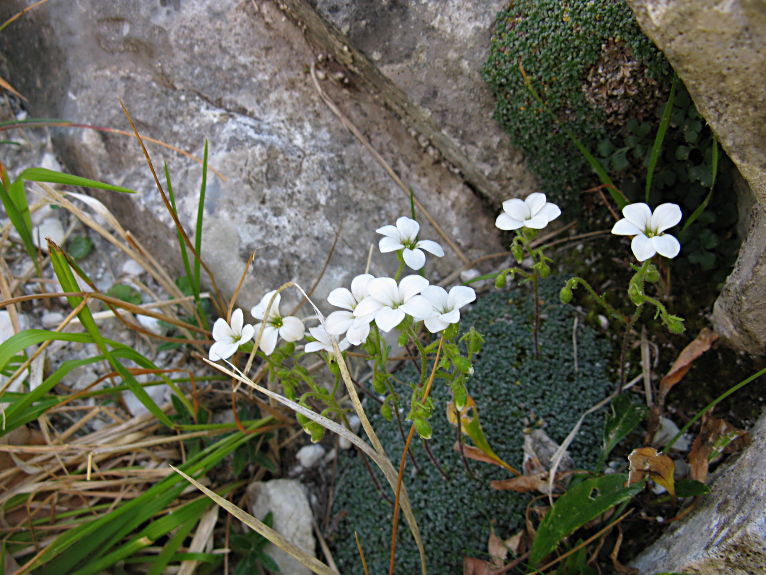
(61,267)
(15,204)
(701,208)
(92,540)
(657,146)
(198,230)
(181,243)
(53,177)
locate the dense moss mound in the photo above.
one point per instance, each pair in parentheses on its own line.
(509,385)
(593,68)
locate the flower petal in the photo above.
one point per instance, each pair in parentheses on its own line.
(643,247)
(237,319)
(222,350)
(419,308)
(415,259)
(638,214)
(506,222)
(387,245)
(359,286)
(664,217)
(452,316)
(625,227)
(384,290)
(517,209)
(460,296)
(221,330)
(666,245)
(536,223)
(259,310)
(341,297)
(389,231)
(435,324)
(388,318)
(535,202)
(550,211)
(248,332)
(368,306)
(338,322)
(359,330)
(292,328)
(431,247)
(269,339)
(437,295)
(408,228)
(410,286)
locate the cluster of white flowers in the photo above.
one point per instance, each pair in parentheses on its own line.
(380,300)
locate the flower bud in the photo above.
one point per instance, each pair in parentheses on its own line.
(518,252)
(423,428)
(675,324)
(652,275)
(565,295)
(500,281)
(385,411)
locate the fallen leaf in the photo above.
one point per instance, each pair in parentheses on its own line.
(497,549)
(517,543)
(646,462)
(474,566)
(715,436)
(683,362)
(523,483)
(538,453)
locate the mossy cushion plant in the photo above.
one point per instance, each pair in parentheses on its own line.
(512,390)
(593,68)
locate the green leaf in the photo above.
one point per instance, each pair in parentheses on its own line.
(79,247)
(125,293)
(691,488)
(657,146)
(624,417)
(579,505)
(53,177)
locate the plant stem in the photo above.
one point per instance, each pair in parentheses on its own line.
(624,347)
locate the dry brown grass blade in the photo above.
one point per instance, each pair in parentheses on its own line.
(20,14)
(6,86)
(262,529)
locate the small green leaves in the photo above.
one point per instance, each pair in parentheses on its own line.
(625,416)
(79,247)
(580,504)
(125,293)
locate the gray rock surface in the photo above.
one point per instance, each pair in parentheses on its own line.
(235,73)
(289,505)
(726,534)
(718,49)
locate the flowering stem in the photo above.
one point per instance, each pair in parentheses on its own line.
(601,300)
(536,325)
(624,347)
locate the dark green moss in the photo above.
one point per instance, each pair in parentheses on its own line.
(509,385)
(592,66)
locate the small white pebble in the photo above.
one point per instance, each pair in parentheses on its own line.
(49,228)
(150,323)
(132,268)
(309,455)
(52,319)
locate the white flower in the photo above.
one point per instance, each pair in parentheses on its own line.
(648,228)
(389,302)
(228,338)
(338,322)
(323,342)
(403,236)
(445,307)
(532,212)
(290,327)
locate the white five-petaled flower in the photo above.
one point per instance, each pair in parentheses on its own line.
(389,302)
(647,229)
(290,328)
(445,307)
(228,338)
(323,342)
(403,236)
(344,321)
(532,212)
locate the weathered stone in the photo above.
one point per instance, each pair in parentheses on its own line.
(727,532)
(287,501)
(236,74)
(718,49)
(423,59)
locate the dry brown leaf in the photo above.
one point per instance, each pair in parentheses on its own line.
(474,453)
(523,483)
(683,362)
(474,566)
(517,543)
(497,549)
(646,462)
(715,437)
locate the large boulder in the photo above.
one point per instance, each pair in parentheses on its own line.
(718,49)
(238,75)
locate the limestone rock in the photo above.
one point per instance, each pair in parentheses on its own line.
(727,532)
(289,505)
(718,49)
(236,74)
